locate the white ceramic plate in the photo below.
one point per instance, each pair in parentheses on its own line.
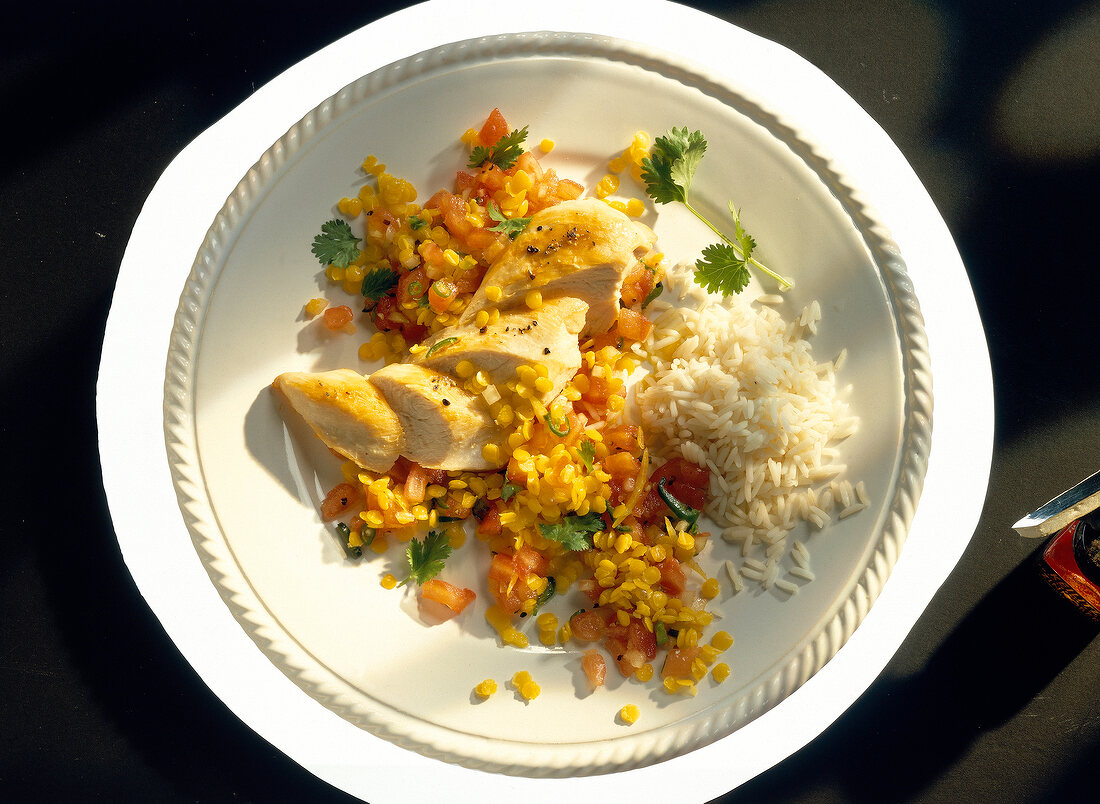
(252,486)
(249,491)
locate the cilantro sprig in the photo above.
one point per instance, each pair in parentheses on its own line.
(378,281)
(574,532)
(668,173)
(509,226)
(336,244)
(503,153)
(427,558)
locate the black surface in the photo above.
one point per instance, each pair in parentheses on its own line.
(992,697)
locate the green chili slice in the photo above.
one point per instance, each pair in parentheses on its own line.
(547,593)
(561,430)
(443,344)
(345,536)
(684,512)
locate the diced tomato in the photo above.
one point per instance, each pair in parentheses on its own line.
(673,578)
(493,129)
(388,316)
(686,481)
(632,645)
(589,588)
(455,598)
(470,280)
(600,388)
(530,562)
(623,437)
(441,294)
(338,500)
(338,317)
(637,285)
(510,576)
(594,666)
(381,224)
(590,625)
(678,662)
(411,285)
(489,525)
(622,465)
(633,325)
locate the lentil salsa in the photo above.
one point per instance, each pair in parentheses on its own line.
(581,507)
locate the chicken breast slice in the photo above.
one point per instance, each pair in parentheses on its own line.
(348,414)
(547,336)
(445,425)
(581,249)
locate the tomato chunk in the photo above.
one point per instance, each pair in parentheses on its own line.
(493,129)
(338,500)
(455,598)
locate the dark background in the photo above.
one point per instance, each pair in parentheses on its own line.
(994,696)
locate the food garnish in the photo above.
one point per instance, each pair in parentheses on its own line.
(574,532)
(427,558)
(503,153)
(378,282)
(667,174)
(336,244)
(509,226)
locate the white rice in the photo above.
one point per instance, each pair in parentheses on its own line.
(735,388)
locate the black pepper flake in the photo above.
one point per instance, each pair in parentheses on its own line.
(546,350)
(483,330)
(532,249)
(446,402)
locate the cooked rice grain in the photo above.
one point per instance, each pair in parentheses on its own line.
(736,389)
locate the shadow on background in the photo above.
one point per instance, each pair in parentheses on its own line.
(907,733)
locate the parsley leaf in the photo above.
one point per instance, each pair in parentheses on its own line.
(426,558)
(336,244)
(668,174)
(508,491)
(587,451)
(416,222)
(378,281)
(721,270)
(574,532)
(503,153)
(510,226)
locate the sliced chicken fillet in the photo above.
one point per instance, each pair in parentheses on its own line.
(546,336)
(581,249)
(348,414)
(445,425)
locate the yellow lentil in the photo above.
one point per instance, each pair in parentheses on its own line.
(486,688)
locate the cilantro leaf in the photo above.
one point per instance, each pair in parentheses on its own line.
(668,173)
(587,450)
(574,532)
(336,244)
(378,281)
(508,491)
(426,559)
(416,222)
(721,270)
(503,153)
(510,226)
